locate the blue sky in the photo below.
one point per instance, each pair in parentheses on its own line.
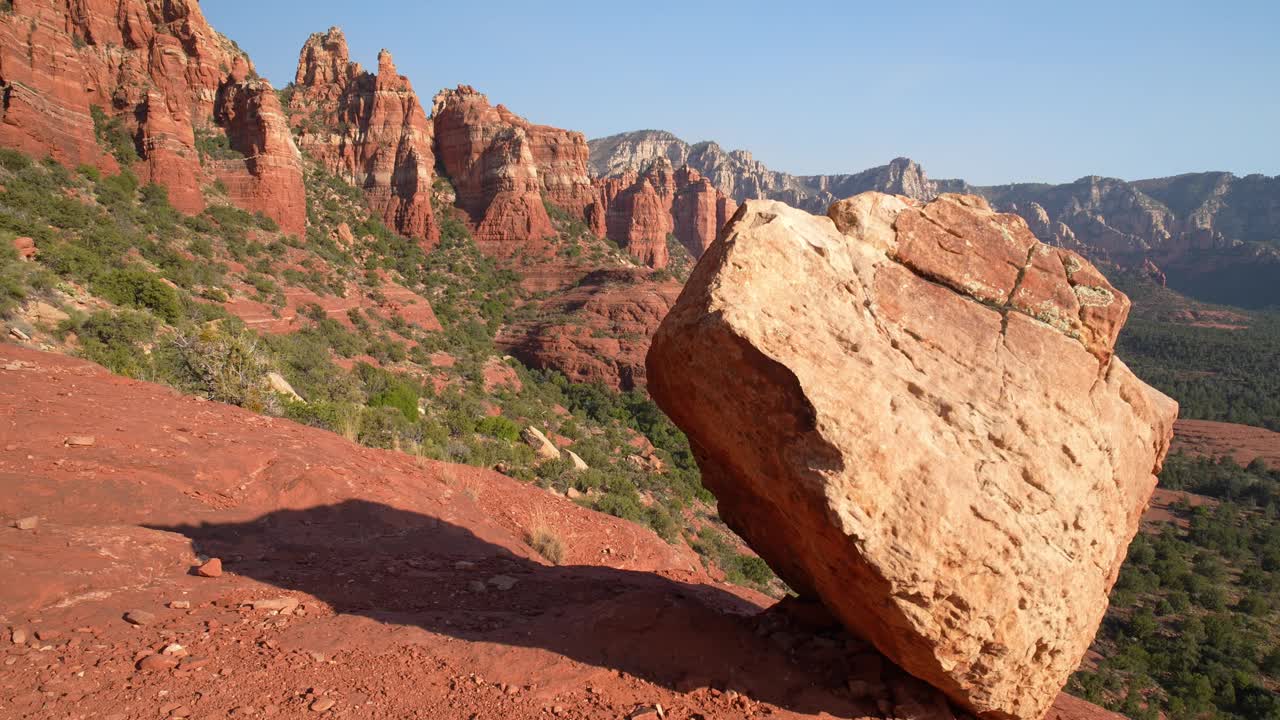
(989,91)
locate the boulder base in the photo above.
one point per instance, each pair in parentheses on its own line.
(919,420)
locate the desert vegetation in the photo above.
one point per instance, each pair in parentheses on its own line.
(152,294)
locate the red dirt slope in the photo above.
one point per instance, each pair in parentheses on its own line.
(407,588)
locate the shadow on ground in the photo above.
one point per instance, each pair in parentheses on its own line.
(407,568)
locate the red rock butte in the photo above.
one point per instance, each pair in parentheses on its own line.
(158,69)
(368,129)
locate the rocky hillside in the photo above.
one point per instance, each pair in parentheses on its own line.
(1212,235)
(408,521)
(1215,236)
(228,565)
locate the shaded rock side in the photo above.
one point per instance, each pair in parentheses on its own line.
(369,129)
(153,67)
(919,420)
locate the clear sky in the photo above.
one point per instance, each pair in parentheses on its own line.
(992,92)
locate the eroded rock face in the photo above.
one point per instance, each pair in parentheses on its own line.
(642,210)
(913,413)
(503,166)
(597,330)
(154,66)
(269,178)
(370,129)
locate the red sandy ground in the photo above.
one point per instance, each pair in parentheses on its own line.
(1216,439)
(397,563)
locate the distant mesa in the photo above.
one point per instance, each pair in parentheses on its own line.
(1210,235)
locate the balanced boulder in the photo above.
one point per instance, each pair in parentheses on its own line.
(913,413)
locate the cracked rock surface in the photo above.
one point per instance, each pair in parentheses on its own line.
(912,411)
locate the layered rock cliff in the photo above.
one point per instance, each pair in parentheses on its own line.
(502,167)
(598,330)
(742,177)
(1213,235)
(912,411)
(643,209)
(142,77)
(507,171)
(269,178)
(369,129)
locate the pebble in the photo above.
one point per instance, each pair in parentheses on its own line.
(180,604)
(476,586)
(157,662)
(322,704)
(47,635)
(175,650)
(19,636)
(27,523)
(194,663)
(80,441)
(503,582)
(139,617)
(283,605)
(212,568)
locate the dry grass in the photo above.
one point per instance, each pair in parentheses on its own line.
(546,541)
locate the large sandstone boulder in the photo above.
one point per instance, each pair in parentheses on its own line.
(913,413)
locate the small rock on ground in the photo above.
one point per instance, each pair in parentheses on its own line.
(211,569)
(140,617)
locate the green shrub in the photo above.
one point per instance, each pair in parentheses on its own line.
(112,133)
(401,397)
(135,286)
(213,144)
(118,191)
(384,427)
(499,427)
(342,418)
(13,161)
(113,339)
(223,364)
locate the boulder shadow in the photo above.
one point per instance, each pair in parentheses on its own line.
(406,568)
